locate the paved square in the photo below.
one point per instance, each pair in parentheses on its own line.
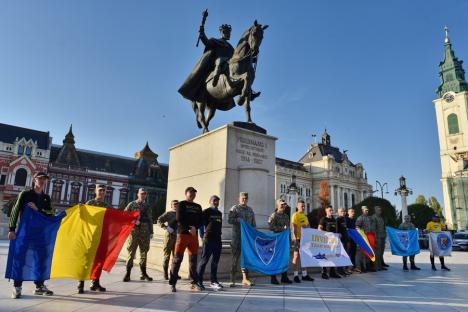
(393,290)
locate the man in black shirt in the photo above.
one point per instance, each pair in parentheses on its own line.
(351,245)
(343,231)
(189,219)
(328,224)
(212,222)
(37,200)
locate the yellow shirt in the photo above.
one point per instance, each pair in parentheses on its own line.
(300,220)
(434,226)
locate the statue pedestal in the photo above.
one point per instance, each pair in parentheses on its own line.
(222,162)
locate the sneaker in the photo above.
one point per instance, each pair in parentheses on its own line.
(198,286)
(173,289)
(96,286)
(296,279)
(43,291)
(216,286)
(16,294)
(444,268)
(307,278)
(219,284)
(324,275)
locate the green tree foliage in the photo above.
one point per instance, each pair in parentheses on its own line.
(420,215)
(388,210)
(421,200)
(158,208)
(434,204)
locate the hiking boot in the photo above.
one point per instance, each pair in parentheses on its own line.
(246,280)
(43,291)
(414,267)
(285,279)
(274,280)
(324,275)
(334,275)
(95,286)
(434,268)
(127,276)
(444,268)
(81,287)
(16,294)
(405,268)
(173,289)
(144,276)
(297,279)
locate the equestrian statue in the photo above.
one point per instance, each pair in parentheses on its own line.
(223,73)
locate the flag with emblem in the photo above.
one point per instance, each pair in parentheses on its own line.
(265,253)
(403,242)
(440,244)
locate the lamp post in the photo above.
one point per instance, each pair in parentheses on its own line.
(381,186)
(403,191)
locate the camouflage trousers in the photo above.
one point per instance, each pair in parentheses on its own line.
(139,238)
(236,253)
(379,251)
(168,248)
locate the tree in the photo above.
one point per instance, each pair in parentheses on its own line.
(420,215)
(388,210)
(324,195)
(158,208)
(434,204)
(421,200)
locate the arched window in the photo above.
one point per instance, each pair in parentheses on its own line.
(28,150)
(452,123)
(20,149)
(20,177)
(353,200)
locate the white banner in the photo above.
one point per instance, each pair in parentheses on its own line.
(322,249)
(440,244)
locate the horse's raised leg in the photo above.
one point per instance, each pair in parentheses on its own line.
(210,114)
(201,116)
(195,110)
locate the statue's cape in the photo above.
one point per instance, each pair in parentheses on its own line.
(193,88)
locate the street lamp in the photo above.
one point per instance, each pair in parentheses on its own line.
(381,186)
(403,191)
(292,192)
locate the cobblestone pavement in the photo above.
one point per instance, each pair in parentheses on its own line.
(392,290)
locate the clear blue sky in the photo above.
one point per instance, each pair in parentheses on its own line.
(366,70)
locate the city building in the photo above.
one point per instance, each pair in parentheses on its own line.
(452,122)
(347,181)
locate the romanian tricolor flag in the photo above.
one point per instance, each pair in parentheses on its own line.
(366,242)
(78,243)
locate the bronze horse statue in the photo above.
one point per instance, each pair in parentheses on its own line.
(222,74)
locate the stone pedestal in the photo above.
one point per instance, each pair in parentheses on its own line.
(222,162)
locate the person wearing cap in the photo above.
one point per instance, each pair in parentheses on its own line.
(189,220)
(278,222)
(299,221)
(210,231)
(436,226)
(168,222)
(380,236)
(35,199)
(407,225)
(98,201)
(237,213)
(140,236)
(366,224)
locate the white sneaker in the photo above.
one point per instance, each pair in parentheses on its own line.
(216,286)
(16,294)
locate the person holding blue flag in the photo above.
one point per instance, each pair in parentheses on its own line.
(278,222)
(37,200)
(407,225)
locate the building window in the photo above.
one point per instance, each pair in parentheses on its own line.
(91,192)
(352,200)
(123,197)
(57,190)
(20,177)
(346,200)
(109,195)
(75,193)
(28,151)
(20,149)
(452,123)
(2,179)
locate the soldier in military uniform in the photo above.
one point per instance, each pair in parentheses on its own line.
(140,235)
(380,236)
(237,213)
(408,225)
(168,222)
(279,221)
(365,223)
(98,201)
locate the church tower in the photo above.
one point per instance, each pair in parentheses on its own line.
(451,108)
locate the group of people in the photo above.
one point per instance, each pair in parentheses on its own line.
(186,221)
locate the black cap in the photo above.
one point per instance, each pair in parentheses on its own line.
(190,189)
(436,216)
(40,174)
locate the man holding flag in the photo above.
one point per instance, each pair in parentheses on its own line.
(436,226)
(37,200)
(407,225)
(366,224)
(328,224)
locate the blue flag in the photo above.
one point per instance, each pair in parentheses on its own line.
(264,253)
(403,242)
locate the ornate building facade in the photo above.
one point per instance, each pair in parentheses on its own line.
(451,109)
(347,181)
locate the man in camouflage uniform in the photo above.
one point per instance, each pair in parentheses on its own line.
(380,236)
(365,223)
(237,213)
(279,221)
(140,235)
(407,225)
(168,222)
(98,201)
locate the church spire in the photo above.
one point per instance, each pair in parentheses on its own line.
(326,138)
(69,137)
(67,154)
(452,75)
